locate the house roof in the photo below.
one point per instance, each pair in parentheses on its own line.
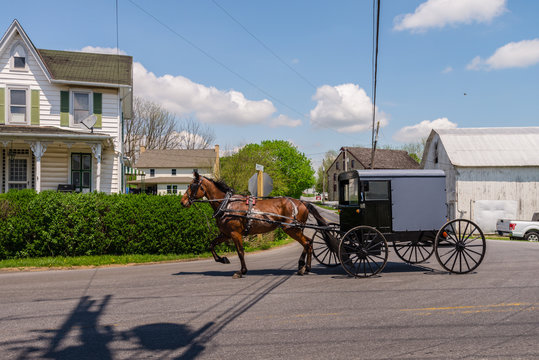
(383,158)
(162,180)
(79,68)
(50,133)
(489,147)
(176,159)
(88,67)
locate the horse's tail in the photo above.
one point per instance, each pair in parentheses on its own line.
(314,212)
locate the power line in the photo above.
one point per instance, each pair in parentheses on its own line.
(192,44)
(264,45)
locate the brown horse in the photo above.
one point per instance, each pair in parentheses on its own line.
(232,213)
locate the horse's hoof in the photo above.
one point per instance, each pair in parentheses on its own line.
(301,271)
(225,260)
(237,275)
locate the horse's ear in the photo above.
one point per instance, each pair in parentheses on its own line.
(196,175)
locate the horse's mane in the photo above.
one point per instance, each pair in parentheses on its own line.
(221,185)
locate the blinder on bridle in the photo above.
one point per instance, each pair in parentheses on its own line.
(193,190)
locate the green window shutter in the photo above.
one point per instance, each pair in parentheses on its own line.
(35,108)
(98,109)
(2,105)
(64,108)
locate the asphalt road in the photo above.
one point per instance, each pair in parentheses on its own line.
(189,310)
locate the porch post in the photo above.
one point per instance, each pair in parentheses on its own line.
(38,148)
(5,166)
(96,149)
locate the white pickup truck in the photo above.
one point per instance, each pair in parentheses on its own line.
(519,229)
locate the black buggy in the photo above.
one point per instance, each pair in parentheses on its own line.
(404,207)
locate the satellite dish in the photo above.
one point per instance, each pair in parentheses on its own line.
(89,122)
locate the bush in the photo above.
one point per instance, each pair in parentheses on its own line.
(72,224)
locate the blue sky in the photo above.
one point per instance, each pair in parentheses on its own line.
(302,70)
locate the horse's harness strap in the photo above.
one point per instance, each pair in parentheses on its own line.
(251,202)
(223,205)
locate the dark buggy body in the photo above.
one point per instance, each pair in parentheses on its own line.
(404,207)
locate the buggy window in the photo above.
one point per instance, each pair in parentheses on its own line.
(376,190)
(349,192)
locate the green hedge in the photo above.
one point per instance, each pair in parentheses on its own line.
(71,224)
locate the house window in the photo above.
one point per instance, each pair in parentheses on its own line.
(173,172)
(352,163)
(18,57)
(81,171)
(17,106)
(19,62)
(334,187)
(337,165)
(152,172)
(81,106)
(334,177)
(436,152)
(172,189)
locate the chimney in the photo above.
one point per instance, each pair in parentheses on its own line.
(217,166)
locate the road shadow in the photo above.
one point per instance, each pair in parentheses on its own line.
(229,273)
(81,336)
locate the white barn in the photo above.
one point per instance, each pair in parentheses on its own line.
(491,173)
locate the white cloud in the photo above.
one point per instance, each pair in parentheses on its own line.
(103,50)
(417,132)
(182,96)
(513,55)
(345,108)
(447,70)
(283,120)
(440,13)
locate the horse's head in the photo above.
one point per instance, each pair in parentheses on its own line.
(194,191)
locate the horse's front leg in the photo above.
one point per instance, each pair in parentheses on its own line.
(238,242)
(219,239)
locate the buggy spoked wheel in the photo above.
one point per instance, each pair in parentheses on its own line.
(325,246)
(460,246)
(416,251)
(363,251)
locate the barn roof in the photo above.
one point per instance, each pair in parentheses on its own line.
(489,147)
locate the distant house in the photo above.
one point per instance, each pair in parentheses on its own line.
(358,158)
(491,173)
(171,171)
(46,97)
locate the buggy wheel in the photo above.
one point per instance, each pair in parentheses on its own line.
(363,251)
(460,246)
(324,241)
(416,251)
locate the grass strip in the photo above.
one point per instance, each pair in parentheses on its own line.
(105,260)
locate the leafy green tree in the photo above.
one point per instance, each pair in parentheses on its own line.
(289,169)
(330,156)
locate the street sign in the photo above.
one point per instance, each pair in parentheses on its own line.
(259,167)
(267,186)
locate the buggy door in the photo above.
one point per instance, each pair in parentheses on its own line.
(375,204)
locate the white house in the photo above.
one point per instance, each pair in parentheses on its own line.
(171,171)
(44,97)
(491,173)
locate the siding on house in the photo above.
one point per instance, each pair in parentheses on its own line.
(55,163)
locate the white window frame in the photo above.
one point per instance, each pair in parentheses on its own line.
(72,92)
(12,57)
(28,159)
(28,99)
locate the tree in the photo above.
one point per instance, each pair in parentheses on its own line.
(415,150)
(289,169)
(329,158)
(155,128)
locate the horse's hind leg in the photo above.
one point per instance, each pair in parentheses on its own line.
(297,234)
(219,239)
(238,241)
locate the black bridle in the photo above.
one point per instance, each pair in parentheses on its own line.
(193,190)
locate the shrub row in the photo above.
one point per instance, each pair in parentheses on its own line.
(71,224)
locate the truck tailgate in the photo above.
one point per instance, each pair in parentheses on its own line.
(502,226)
